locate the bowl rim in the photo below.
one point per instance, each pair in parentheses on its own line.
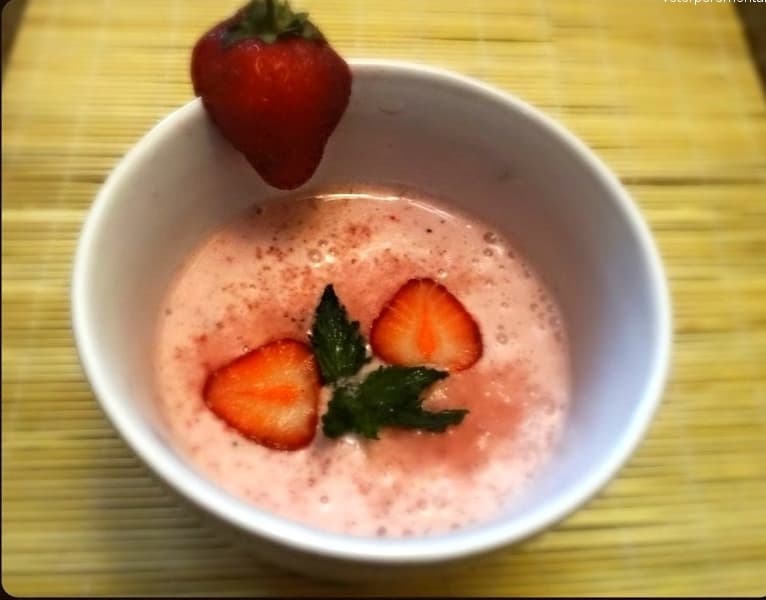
(417,550)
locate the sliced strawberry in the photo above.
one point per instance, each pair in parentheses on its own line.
(270,394)
(424,324)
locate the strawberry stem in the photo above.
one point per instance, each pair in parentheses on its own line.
(268,21)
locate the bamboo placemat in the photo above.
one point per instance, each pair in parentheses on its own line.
(664,92)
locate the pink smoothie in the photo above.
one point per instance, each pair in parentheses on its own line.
(260,278)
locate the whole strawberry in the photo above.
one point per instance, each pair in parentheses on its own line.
(274,87)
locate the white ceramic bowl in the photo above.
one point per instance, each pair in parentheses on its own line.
(479,148)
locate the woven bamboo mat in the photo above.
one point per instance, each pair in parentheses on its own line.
(664,92)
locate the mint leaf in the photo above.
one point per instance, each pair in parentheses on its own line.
(388,397)
(338,346)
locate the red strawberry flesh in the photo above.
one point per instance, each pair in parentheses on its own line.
(269,395)
(424,324)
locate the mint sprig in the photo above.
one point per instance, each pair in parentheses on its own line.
(338,346)
(388,397)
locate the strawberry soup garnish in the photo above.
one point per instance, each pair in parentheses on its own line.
(274,87)
(424,324)
(390,396)
(338,346)
(269,395)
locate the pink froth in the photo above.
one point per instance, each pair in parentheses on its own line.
(259,279)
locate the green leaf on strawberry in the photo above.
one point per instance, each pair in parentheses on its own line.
(268,20)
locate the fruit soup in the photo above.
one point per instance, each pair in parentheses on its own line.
(259,279)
